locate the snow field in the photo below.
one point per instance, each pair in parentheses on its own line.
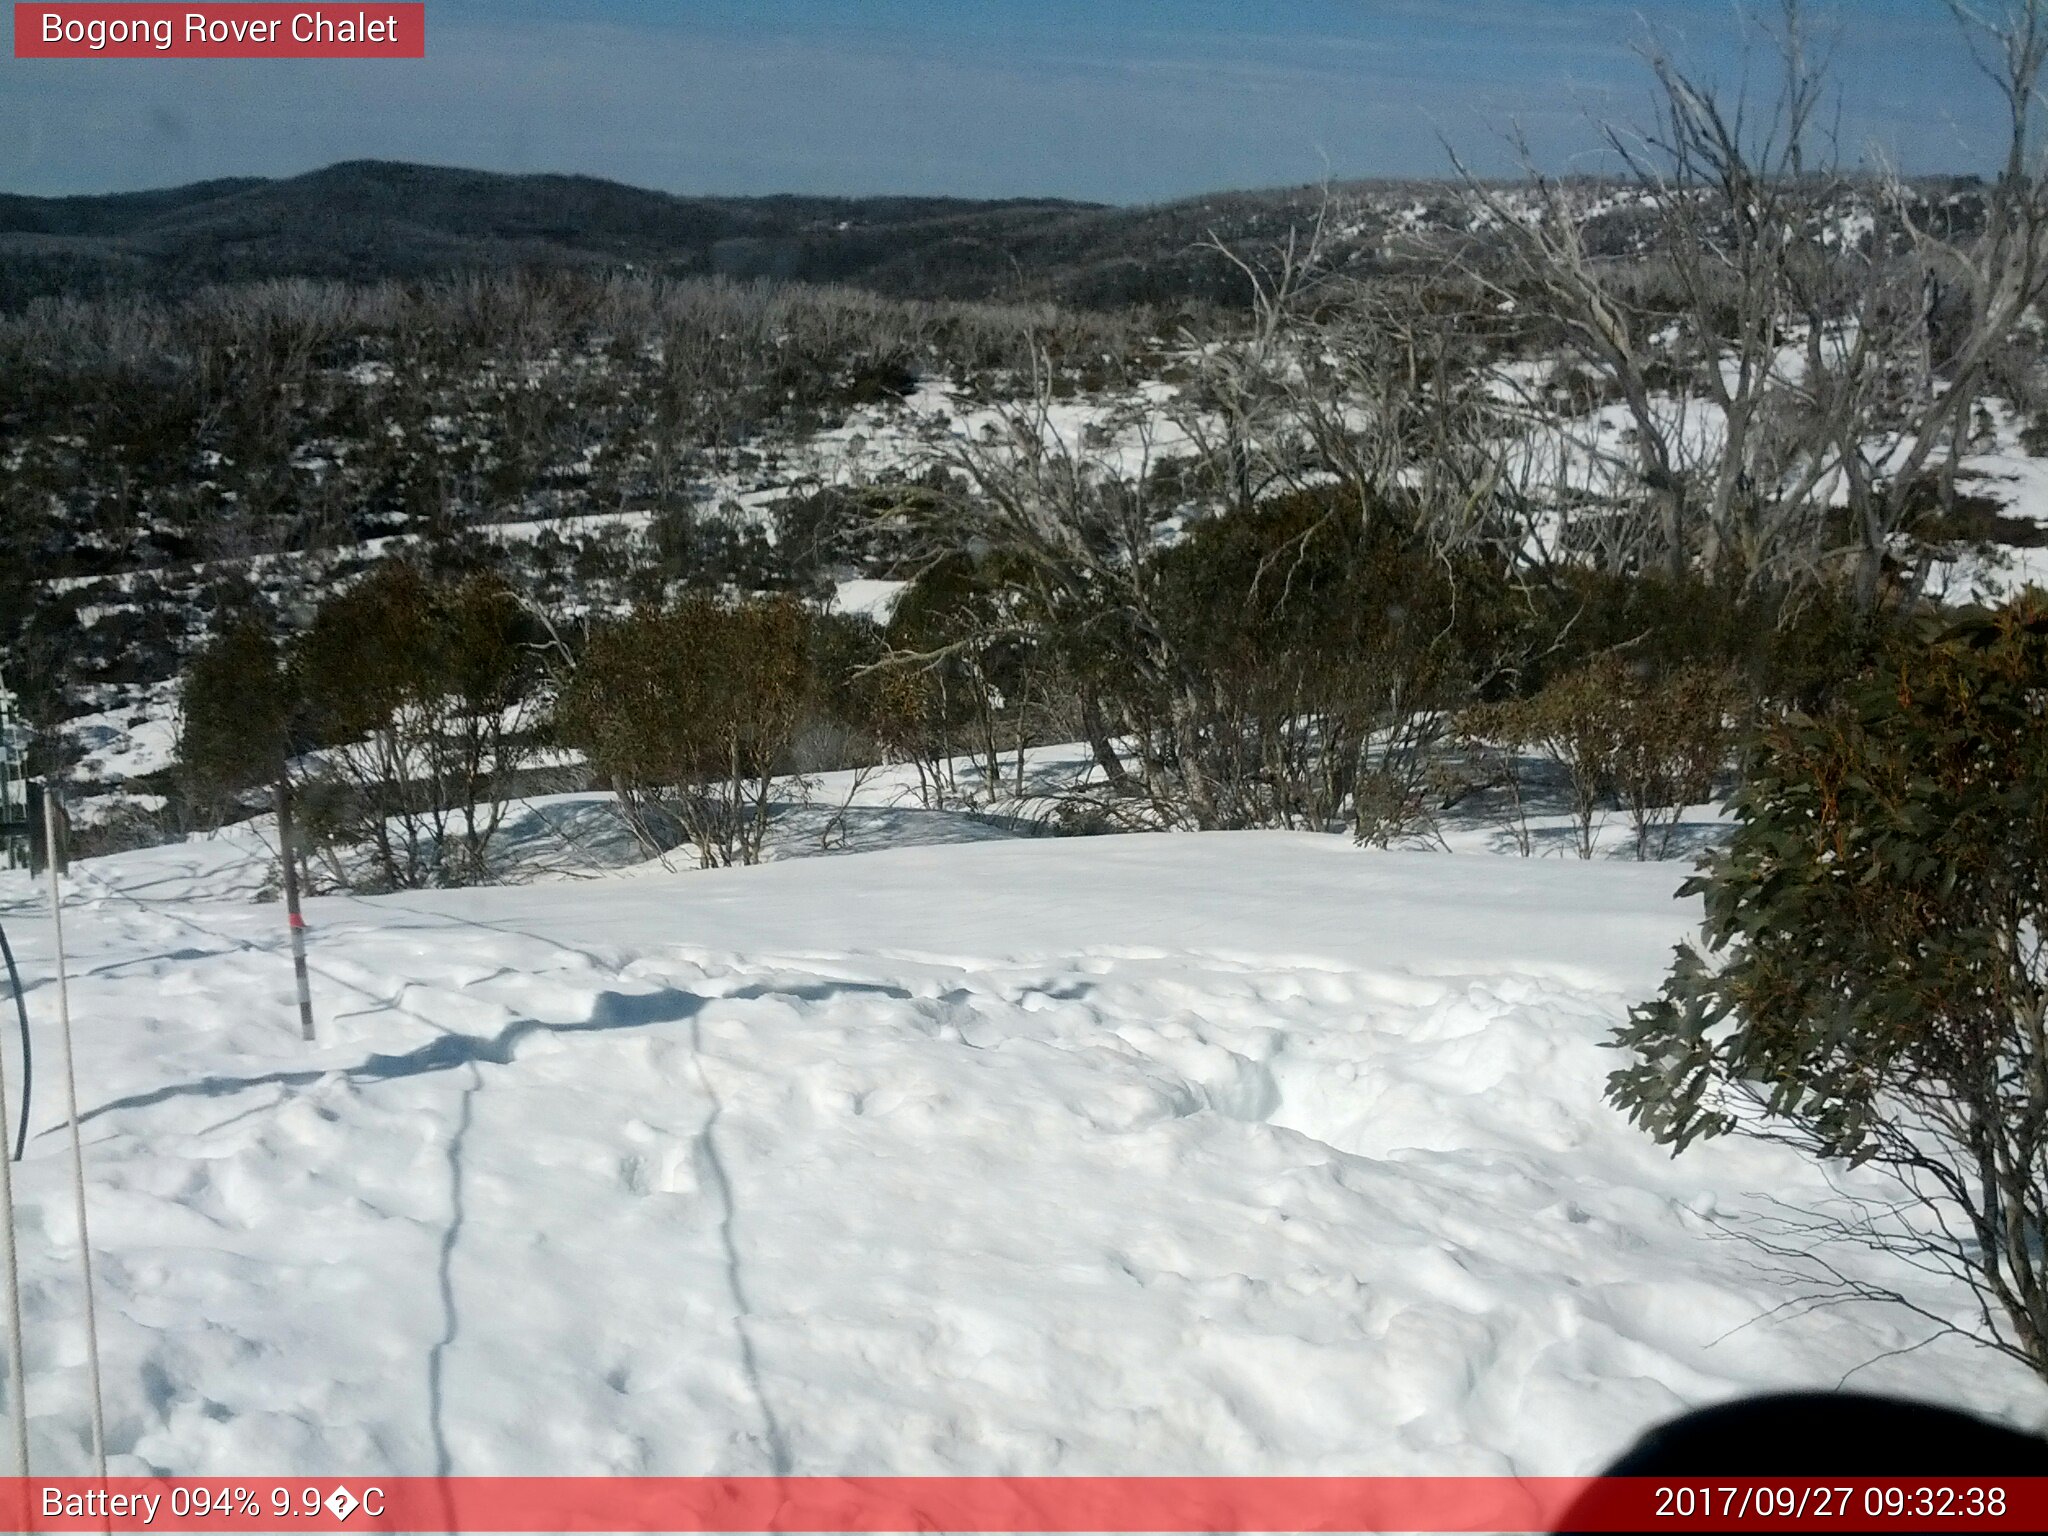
(1194,1154)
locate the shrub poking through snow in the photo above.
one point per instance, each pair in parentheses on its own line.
(690,712)
(420,692)
(1879,934)
(1622,733)
(402,715)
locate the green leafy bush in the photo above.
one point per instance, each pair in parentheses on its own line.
(1623,732)
(1309,667)
(401,713)
(1877,960)
(235,715)
(689,712)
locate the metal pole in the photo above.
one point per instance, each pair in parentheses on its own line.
(291,905)
(92,1326)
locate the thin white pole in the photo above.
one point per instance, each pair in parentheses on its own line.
(92,1328)
(17,1387)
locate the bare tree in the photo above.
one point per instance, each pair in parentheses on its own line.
(1813,339)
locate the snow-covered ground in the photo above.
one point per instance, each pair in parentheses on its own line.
(2007,473)
(1202,1154)
(130,740)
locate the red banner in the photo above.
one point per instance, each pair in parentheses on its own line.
(1023,1504)
(111,30)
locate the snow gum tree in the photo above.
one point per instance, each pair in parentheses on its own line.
(1875,976)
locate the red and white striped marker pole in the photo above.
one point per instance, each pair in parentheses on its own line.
(291,905)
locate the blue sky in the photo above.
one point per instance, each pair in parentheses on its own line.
(1109,100)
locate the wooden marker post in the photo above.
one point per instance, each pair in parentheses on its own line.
(288,858)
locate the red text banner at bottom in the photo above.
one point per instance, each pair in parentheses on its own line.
(1023,1504)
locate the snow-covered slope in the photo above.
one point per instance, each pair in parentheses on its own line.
(1211,1154)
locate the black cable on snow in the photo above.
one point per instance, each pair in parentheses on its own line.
(21,1012)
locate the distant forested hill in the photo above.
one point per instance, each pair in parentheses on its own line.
(369,219)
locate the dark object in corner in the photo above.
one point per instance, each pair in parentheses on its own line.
(1829,1434)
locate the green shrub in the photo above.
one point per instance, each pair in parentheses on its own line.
(406,699)
(236,715)
(1312,665)
(1775,644)
(689,712)
(1879,934)
(1621,732)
